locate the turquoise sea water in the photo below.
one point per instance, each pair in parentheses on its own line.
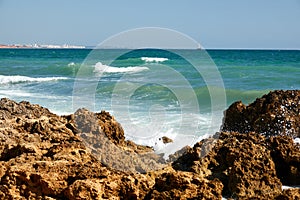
(157,90)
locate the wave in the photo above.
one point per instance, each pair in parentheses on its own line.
(25,79)
(183,132)
(153,59)
(71,64)
(14,93)
(100,68)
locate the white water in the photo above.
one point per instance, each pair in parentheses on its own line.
(24,79)
(101,68)
(153,59)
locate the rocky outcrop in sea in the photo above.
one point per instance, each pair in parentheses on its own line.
(86,156)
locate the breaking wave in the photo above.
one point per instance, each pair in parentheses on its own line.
(153,59)
(25,79)
(101,68)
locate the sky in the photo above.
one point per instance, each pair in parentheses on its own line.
(259,24)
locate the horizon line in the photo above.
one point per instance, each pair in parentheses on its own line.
(112,48)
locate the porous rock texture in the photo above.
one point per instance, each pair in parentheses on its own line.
(85,155)
(242,162)
(276,113)
(82,156)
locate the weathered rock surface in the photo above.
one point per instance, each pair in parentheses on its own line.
(276,113)
(290,194)
(185,185)
(104,136)
(286,156)
(86,156)
(45,156)
(242,162)
(251,164)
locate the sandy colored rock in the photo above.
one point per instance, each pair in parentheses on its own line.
(86,156)
(104,137)
(290,194)
(44,156)
(185,185)
(286,156)
(241,161)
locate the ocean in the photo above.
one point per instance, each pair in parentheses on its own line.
(180,94)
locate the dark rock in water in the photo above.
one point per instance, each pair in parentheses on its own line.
(86,156)
(166,140)
(277,113)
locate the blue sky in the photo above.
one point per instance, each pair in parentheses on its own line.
(213,23)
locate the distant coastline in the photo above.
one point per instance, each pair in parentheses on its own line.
(67,46)
(40,46)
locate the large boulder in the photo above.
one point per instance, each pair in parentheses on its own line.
(276,113)
(243,163)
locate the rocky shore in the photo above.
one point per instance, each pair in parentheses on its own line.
(86,156)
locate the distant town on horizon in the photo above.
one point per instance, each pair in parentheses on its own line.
(67,46)
(41,46)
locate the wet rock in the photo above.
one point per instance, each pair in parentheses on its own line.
(166,140)
(276,113)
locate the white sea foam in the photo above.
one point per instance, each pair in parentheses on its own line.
(183,133)
(297,140)
(71,64)
(101,68)
(47,100)
(285,187)
(153,59)
(24,79)
(14,93)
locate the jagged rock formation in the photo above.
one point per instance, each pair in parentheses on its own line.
(243,163)
(286,156)
(86,156)
(104,136)
(45,156)
(289,194)
(276,113)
